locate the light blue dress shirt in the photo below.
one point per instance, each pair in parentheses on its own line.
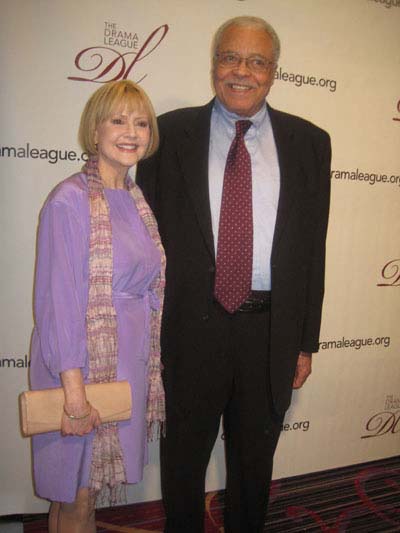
(260,144)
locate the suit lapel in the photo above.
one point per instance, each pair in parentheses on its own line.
(285,145)
(193,154)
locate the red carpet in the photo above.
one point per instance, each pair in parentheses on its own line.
(362,498)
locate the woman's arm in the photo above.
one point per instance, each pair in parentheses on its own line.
(79,417)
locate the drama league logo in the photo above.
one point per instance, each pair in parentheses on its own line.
(102,64)
(385,422)
(391,274)
(398,110)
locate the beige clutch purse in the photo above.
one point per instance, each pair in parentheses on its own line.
(41,410)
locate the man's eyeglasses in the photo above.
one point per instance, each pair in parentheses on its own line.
(254,63)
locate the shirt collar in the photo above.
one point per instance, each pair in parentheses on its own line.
(228,118)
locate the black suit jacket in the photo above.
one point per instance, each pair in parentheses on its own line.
(175,182)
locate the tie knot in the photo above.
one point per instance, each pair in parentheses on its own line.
(242,126)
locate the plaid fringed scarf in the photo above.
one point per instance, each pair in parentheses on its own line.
(107,473)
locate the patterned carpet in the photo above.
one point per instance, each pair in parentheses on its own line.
(361,498)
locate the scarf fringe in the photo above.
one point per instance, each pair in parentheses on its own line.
(107,483)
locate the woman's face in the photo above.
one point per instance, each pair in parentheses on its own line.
(122,140)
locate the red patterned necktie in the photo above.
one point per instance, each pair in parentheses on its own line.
(235,235)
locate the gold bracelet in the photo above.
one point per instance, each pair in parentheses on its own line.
(73,417)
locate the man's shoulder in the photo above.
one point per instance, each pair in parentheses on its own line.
(183,116)
(297,124)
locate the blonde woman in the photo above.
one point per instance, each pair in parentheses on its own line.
(98,300)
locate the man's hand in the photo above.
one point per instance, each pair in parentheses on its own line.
(303,369)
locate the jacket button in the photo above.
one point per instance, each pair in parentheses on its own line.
(205,318)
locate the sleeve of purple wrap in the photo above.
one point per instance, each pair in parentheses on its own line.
(61,285)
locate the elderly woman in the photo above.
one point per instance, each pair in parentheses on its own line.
(98,300)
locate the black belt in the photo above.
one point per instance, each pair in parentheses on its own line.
(257,302)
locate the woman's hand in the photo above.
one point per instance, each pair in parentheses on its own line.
(83,418)
(81,425)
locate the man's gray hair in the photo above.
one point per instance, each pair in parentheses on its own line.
(252,22)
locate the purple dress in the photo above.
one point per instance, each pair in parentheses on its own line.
(62,464)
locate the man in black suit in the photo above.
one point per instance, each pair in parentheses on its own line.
(239,360)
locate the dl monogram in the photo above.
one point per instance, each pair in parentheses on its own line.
(391,273)
(382,423)
(398,109)
(103,64)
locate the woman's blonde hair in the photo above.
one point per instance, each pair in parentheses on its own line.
(106,101)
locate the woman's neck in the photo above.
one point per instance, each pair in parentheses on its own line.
(112,178)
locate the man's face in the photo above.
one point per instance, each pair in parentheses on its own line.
(239,89)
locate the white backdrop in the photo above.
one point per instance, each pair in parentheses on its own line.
(340,68)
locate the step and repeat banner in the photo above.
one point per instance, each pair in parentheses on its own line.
(340,68)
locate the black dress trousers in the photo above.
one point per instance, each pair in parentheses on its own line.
(232,381)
